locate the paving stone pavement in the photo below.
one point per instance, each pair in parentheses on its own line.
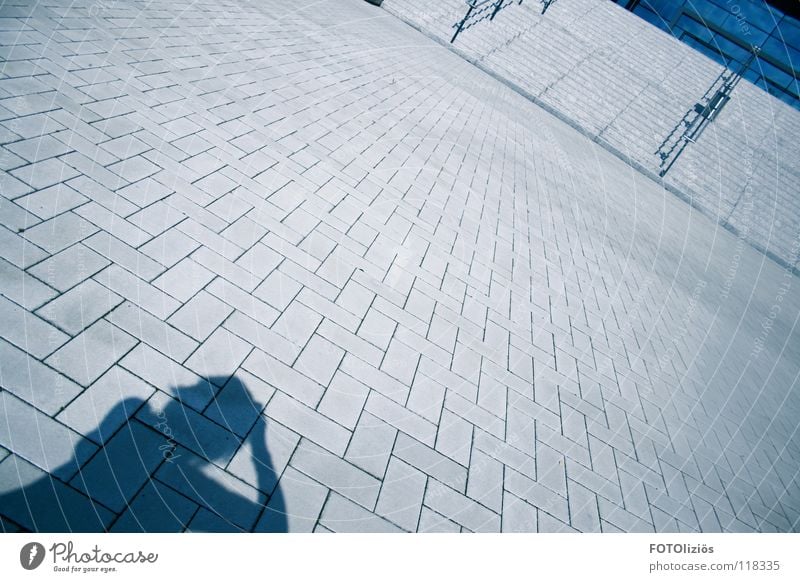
(627,84)
(295,267)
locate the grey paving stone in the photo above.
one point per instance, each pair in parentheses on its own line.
(137,291)
(426,398)
(583,510)
(401,418)
(11,187)
(400,362)
(431,462)
(521,430)
(455,383)
(156,333)
(319,360)
(264,455)
(261,260)
(22,288)
(190,429)
(229,207)
(245,232)
(551,469)
(240,402)
(454,437)
(297,323)
(88,355)
(342,515)
(377,329)
(219,356)
(15,217)
(485,481)
(467,363)
(134,168)
(505,453)
(45,173)
(156,508)
(370,376)
(34,125)
(40,503)
(184,280)
(69,267)
(8,526)
(278,373)
(300,262)
(211,487)
(344,400)
(664,523)
(319,293)
(60,232)
(492,394)
(212,242)
(537,495)
(124,464)
(207,521)
(102,408)
(80,307)
(358,347)
(169,247)
(355,298)
(460,508)
(124,256)
(549,524)
(34,382)
(144,192)
(158,217)
(518,516)
(18,251)
(168,376)
(217,184)
(432,522)
(420,305)
(281,350)
(401,495)
(612,490)
(308,423)
(617,516)
(27,331)
(336,474)
(102,195)
(298,507)
(634,495)
(682,512)
(371,444)
(125,147)
(226,269)
(478,416)
(51,201)
(41,440)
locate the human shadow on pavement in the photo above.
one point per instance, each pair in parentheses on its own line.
(157,466)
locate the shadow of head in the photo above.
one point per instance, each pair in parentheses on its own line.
(196,459)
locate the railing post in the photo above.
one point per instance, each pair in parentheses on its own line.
(497,8)
(463,21)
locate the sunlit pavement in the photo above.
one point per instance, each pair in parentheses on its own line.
(293,266)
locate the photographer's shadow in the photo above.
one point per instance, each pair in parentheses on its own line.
(162,467)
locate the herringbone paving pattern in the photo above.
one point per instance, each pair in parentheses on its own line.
(292,266)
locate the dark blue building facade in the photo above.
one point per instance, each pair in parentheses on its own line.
(726,29)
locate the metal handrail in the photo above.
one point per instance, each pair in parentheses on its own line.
(696,120)
(477,11)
